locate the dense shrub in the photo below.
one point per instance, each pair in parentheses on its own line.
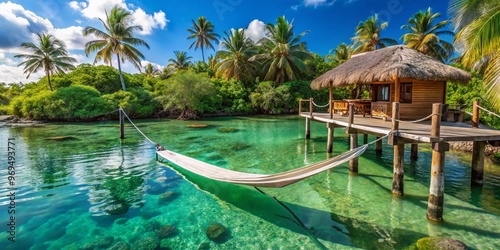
(138,103)
(185,91)
(232,96)
(270,99)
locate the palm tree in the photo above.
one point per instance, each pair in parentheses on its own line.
(203,33)
(180,62)
(234,60)
(117,39)
(478,39)
(150,70)
(48,54)
(283,54)
(340,54)
(423,35)
(368,35)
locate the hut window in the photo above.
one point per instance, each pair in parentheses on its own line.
(383,92)
(406,90)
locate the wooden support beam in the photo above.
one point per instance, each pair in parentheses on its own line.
(329,146)
(353,163)
(397,89)
(414,152)
(308,128)
(365,138)
(378,147)
(122,124)
(398,170)
(475,114)
(330,105)
(477,168)
(392,140)
(435,203)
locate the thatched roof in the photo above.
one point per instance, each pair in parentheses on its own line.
(383,64)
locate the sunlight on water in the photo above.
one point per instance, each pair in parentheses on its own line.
(94,191)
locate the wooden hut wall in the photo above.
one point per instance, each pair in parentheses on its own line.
(424,94)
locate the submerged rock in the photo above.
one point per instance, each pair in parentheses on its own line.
(147,243)
(440,243)
(99,243)
(121,221)
(217,232)
(227,130)
(204,246)
(167,232)
(120,245)
(169,196)
(197,125)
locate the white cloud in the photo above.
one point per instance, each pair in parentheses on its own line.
(6,60)
(316,3)
(148,22)
(93,9)
(14,74)
(19,24)
(145,63)
(72,37)
(256,30)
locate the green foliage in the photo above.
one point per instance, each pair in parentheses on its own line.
(138,103)
(271,99)
(71,103)
(185,91)
(105,79)
(232,95)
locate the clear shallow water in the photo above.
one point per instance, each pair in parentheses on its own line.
(74,193)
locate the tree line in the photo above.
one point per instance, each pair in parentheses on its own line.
(243,77)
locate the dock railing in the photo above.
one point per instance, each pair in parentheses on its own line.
(313,107)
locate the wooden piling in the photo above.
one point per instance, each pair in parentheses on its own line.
(477,168)
(398,171)
(353,163)
(353,136)
(329,147)
(378,146)
(365,138)
(122,124)
(414,152)
(399,150)
(436,190)
(308,128)
(475,114)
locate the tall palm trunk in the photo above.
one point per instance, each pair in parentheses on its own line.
(202,54)
(120,71)
(47,72)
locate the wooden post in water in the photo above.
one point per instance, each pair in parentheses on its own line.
(308,128)
(399,155)
(475,114)
(122,123)
(378,147)
(365,138)
(353,136)
(414,152)
(329,146)
(436,190)
(477,168)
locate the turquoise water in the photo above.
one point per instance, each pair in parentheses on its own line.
(94,190)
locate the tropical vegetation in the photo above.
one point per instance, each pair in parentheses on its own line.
(117,39)
(245,77)
(424,35)
(202,31)
(49,55)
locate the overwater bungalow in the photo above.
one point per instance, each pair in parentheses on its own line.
(396,74)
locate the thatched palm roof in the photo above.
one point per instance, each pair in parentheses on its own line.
(383,64)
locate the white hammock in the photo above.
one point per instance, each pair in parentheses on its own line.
(258,180)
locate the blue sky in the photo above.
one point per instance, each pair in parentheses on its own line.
(164,22)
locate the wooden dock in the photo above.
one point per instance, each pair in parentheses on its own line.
(432,131)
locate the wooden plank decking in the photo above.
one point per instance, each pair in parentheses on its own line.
(418,132)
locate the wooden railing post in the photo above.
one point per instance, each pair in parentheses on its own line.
(475,114)
(300,106)
(311,107)
(435,203)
